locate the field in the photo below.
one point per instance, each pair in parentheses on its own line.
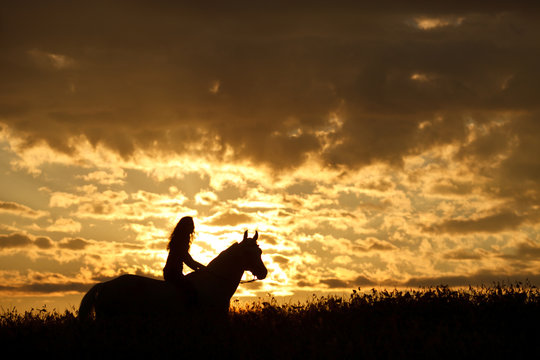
(499,321)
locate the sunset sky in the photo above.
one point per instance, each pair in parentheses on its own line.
(371,144)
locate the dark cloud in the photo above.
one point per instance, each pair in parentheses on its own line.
(504,220)
(524,251)
(146,78)
(373,245)
(453,187)
(303,283)
(43,242)
(73,244)
(382,246)
(529,249)
(280,259)
(158,245)
(19,209)
(268,239)
(253,285)
(363,281)
(229,218)
(19,240)
(519,172)
(352,85)
(135,246)
(47,288)
(15,240)
(482,277)
(334,283)
(464,254)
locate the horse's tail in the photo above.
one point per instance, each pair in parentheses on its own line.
(88,303)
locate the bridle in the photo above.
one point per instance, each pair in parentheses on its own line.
(228,279)
(249,281)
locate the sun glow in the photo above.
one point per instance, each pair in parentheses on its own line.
(426,23)
(368,151)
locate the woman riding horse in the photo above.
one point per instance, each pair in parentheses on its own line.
(180,241)
(133,295)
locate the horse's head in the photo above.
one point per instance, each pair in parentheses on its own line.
(251,253)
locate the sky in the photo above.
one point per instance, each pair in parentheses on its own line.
(371,144)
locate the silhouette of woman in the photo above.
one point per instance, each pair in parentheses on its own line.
(180,241)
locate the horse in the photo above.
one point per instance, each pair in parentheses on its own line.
(136,295)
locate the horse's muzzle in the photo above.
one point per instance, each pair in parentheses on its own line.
(261,274)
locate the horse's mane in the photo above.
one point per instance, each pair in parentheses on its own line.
(219,258)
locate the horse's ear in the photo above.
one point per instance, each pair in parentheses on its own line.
(245,236)
(256,236)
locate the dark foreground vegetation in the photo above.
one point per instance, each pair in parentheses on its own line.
(497,322)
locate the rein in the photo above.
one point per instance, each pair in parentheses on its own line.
(226,278)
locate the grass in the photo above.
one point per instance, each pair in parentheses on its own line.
(438,322)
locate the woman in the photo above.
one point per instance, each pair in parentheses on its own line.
(180,241)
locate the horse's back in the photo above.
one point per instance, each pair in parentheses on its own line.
(137,295)
(130,282)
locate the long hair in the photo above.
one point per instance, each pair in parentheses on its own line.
(182,233)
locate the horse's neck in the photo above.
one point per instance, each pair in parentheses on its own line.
(227,267)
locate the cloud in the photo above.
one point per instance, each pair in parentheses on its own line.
(43,242)
(74,244)
(504,220)
(481,277)
(374,245)
(306,93)
(339,132)
(65,225)
(453,187)
(478,278)
(21,240)
(294,80)
(465,254)
(429,23)
(11,207)
(529,249)
(524,251)
(52,60)
(280,259)
(116,177)
(47,288)
(205,197)
(15,241)
(334,283)
(229,218)
(111,204)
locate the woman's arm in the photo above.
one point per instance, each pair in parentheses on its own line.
(188,260)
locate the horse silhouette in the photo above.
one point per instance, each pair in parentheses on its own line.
(137,295)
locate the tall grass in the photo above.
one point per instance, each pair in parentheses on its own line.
(436,322)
